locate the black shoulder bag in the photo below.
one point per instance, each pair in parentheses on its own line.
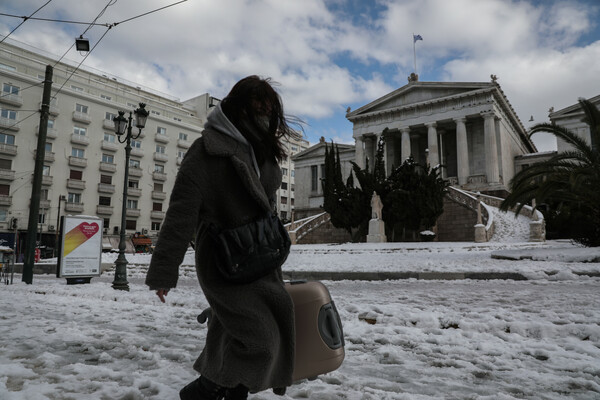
(249,252)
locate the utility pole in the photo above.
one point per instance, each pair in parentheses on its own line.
(36,187)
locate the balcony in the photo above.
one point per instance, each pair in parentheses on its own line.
(77,161)
(159,176)
(53,107)
(159,137)
(108,124)
(49,156)
(8,149)
(5,200)
(137,152)
(183,143)
(106,188)
(133,212)
(74,207)
(157,214)
(80,139)
(44,204)
(7,175)
(75,184)
(10,124)
(161,157)
(46,180)
(135,192)
(136,171)
(108,167)
(110,146)
(104,210)
(12,99)
(158,195)
(81,117)
(51,133)
(179,160)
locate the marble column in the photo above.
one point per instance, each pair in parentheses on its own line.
(359,153)
(491,148)
(405,145)
(462,151)
(432,144)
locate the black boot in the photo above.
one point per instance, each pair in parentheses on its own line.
(240,392)
(202,389)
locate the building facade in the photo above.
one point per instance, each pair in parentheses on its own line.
(468,127)
(286,195)
(84,162)
(572,118)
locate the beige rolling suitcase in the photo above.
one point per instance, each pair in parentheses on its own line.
(319,333)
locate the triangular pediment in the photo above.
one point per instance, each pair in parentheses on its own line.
(419,93)
(574,109)
(318,150)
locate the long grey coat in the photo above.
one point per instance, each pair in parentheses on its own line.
(251,336)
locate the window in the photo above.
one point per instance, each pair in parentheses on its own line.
(8,114)
(7,139)
(293,173)
(10,89)
(177,119)
(156,206)
(284,171)
(46,170)
(77,88)
(183,136)
(294,148)
(50,124)
(42,218)
(284,185)
(133,184)
(8,67)
(79,131)
(159,168)
(108,158)
(132,204)
(78,153)
(77,175)
(5,164)
(284,215)
(81,108)
(155,226)
(180,154)
(104,201)
(74,198)
(158,187)
(4,190)
(44,194)
(292,201)
(105,97)
(161,131)
(3,215)
(131,224)
(109,116)
(133,163)
(136,144)
(314,178)
(106,222)
(160,149)
(155,112)
(48,147)
(132,105)
(283,200)
(293,187)
(106,179)
(110,138)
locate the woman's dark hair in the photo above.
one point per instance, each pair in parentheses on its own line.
(250,99)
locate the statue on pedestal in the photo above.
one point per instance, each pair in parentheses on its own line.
(376,206)
(376,224)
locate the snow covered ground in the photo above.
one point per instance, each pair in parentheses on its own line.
(465,339)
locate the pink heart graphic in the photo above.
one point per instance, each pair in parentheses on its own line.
(88,230)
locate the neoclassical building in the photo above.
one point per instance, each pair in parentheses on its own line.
(469,127)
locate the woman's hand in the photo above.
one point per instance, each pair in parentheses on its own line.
(162,293)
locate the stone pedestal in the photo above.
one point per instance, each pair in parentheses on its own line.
(536,231)
(376,231)
(480,236)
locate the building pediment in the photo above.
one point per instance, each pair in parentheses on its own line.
(420,93)
(318,151)
(573,110)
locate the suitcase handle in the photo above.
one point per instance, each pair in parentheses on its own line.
(330,326)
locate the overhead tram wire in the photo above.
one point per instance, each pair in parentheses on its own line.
(149,12)
(24,19)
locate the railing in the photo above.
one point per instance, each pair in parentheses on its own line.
(299,229)
(470,201)
(106,188)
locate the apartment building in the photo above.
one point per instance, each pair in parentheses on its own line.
(286,193)
(84,162)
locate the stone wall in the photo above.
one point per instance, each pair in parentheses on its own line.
(457,223)
(326,233)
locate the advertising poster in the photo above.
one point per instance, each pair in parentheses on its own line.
(81,246)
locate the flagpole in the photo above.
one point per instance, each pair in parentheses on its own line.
(415,52)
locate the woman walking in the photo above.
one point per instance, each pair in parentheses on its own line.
(228,178)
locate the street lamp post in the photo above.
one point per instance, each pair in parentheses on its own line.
(123,127)
(60,198)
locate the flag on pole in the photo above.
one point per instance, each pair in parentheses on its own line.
(417,37)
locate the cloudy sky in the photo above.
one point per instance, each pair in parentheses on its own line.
(328,55)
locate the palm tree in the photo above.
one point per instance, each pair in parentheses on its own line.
(570,179)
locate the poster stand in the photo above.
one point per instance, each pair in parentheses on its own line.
(80,253)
